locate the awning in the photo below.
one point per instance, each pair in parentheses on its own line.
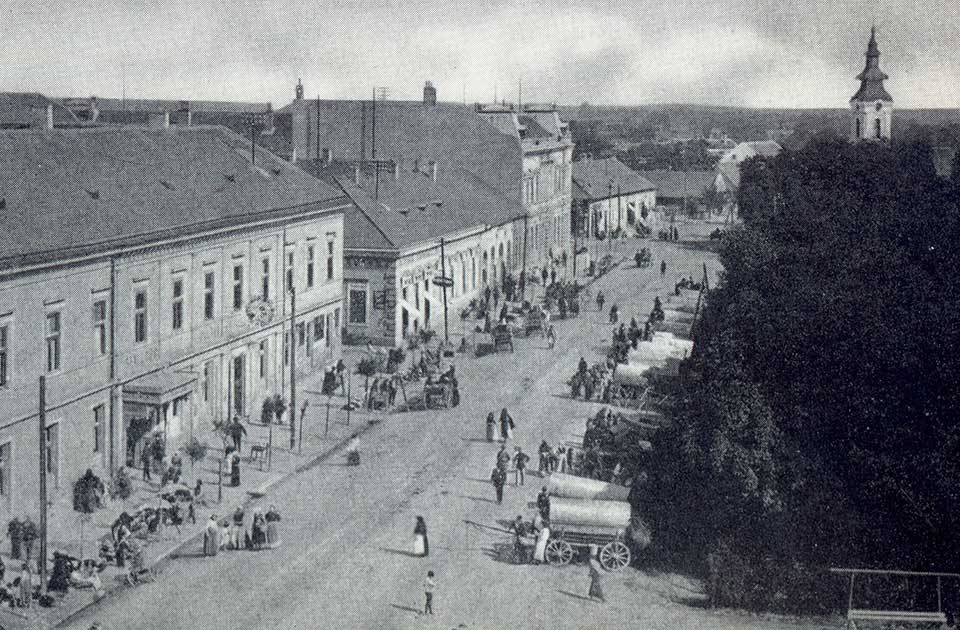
(158,388)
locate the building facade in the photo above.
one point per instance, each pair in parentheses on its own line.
(612,197)
(151,295)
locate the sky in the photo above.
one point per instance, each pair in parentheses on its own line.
(753,53)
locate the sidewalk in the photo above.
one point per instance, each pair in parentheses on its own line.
(257,478)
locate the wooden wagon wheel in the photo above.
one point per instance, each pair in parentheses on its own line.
(559,552)
(614,556)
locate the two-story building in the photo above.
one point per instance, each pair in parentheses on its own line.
(611,197)
(146,276)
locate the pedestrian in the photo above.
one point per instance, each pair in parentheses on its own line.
(600,301)
(235,470)
(595,588)
(503,458)
(520,464)
(429,585)
(543,535)
(570,452)
(553,276)
(519,529)
(543,451)
(486,297)
(273,529)
(499,478)
(26,586)
(663,268)
(543,276)
(236,531)
(562,456)
(211,537)
(237,431)
(543,503)
(454,387)
(146,458)
(496,296)
(491,427)
(421,544)
(506,425)
(614,314)
(258,530)
(551,337)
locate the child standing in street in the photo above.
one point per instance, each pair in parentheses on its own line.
(428,586)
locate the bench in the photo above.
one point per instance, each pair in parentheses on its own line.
(258,454)
(904,616)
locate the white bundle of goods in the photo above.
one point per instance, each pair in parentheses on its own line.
(573,487)
(585,513)
(632,374)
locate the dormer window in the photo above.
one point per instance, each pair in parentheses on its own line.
(879,106)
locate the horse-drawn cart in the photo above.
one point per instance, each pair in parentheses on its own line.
(437,395)
(586,523)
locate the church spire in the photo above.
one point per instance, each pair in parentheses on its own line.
(872,77)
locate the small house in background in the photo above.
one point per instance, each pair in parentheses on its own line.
(609,196)
(681,192)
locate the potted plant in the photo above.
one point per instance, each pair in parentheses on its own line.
(15,532)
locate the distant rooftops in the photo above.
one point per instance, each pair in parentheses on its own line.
(69,192)
(599,179)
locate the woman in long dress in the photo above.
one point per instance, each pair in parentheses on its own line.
(543,535)
(211,537)
(491,427)
(506,425)
(258,530)
(421,544)
(273,531)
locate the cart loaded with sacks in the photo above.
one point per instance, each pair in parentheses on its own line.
(586,513)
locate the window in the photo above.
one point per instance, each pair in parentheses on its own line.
(237,287)
(4,355)
(318,326)
(330,247)
(286,348)
(177,304)
(100,327)
(262,359)
(5,470)
(529,190)
(53,342)
(358,305)
(289,271)
(309,338)
(50,444)
(301,334)
(265,278)
(98,416)
(311,250)
(336,319)
(207,380)
(209,284)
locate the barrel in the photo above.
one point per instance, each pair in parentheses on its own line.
(584,513)
(573,487)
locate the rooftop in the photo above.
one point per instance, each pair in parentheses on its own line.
(598,179)
(679,184)
(68,192)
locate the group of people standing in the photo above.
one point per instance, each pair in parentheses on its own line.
(232,534)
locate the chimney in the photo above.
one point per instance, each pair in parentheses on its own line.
(299,90)
(429,94)
(159,120)
(433,170)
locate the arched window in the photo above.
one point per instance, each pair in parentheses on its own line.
(859,130)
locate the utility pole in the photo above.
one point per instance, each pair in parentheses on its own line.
(293,365)
(43,482)
(523,272)
(576,228)
(606,217)
(318,128)
(443,278)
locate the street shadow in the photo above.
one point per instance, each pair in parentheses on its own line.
(485,481)
(500,552)
(400,552)
(576,595)
(693,601)
(473,439)
(405,608)
(463,496)
(187,555)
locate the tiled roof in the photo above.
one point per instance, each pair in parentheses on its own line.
(21,109)
(592,179)
(533,129)
(405,212)
(731,172)
(679,184)
(765,148)
(172,105)
(66,192)
(408,132)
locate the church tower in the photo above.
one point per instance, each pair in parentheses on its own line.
(871,108)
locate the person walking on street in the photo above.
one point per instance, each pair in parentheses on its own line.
(236,531)
(491,427)
(273,529)
(503,458)
(211,537)
(544,452)
(499,479)
(520,464)
(543,503)
(663,268)
(506,425)
(614,314)
(551,337)
(421,544)
(429,585)
(600,301)
(237,431)
(596,590)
